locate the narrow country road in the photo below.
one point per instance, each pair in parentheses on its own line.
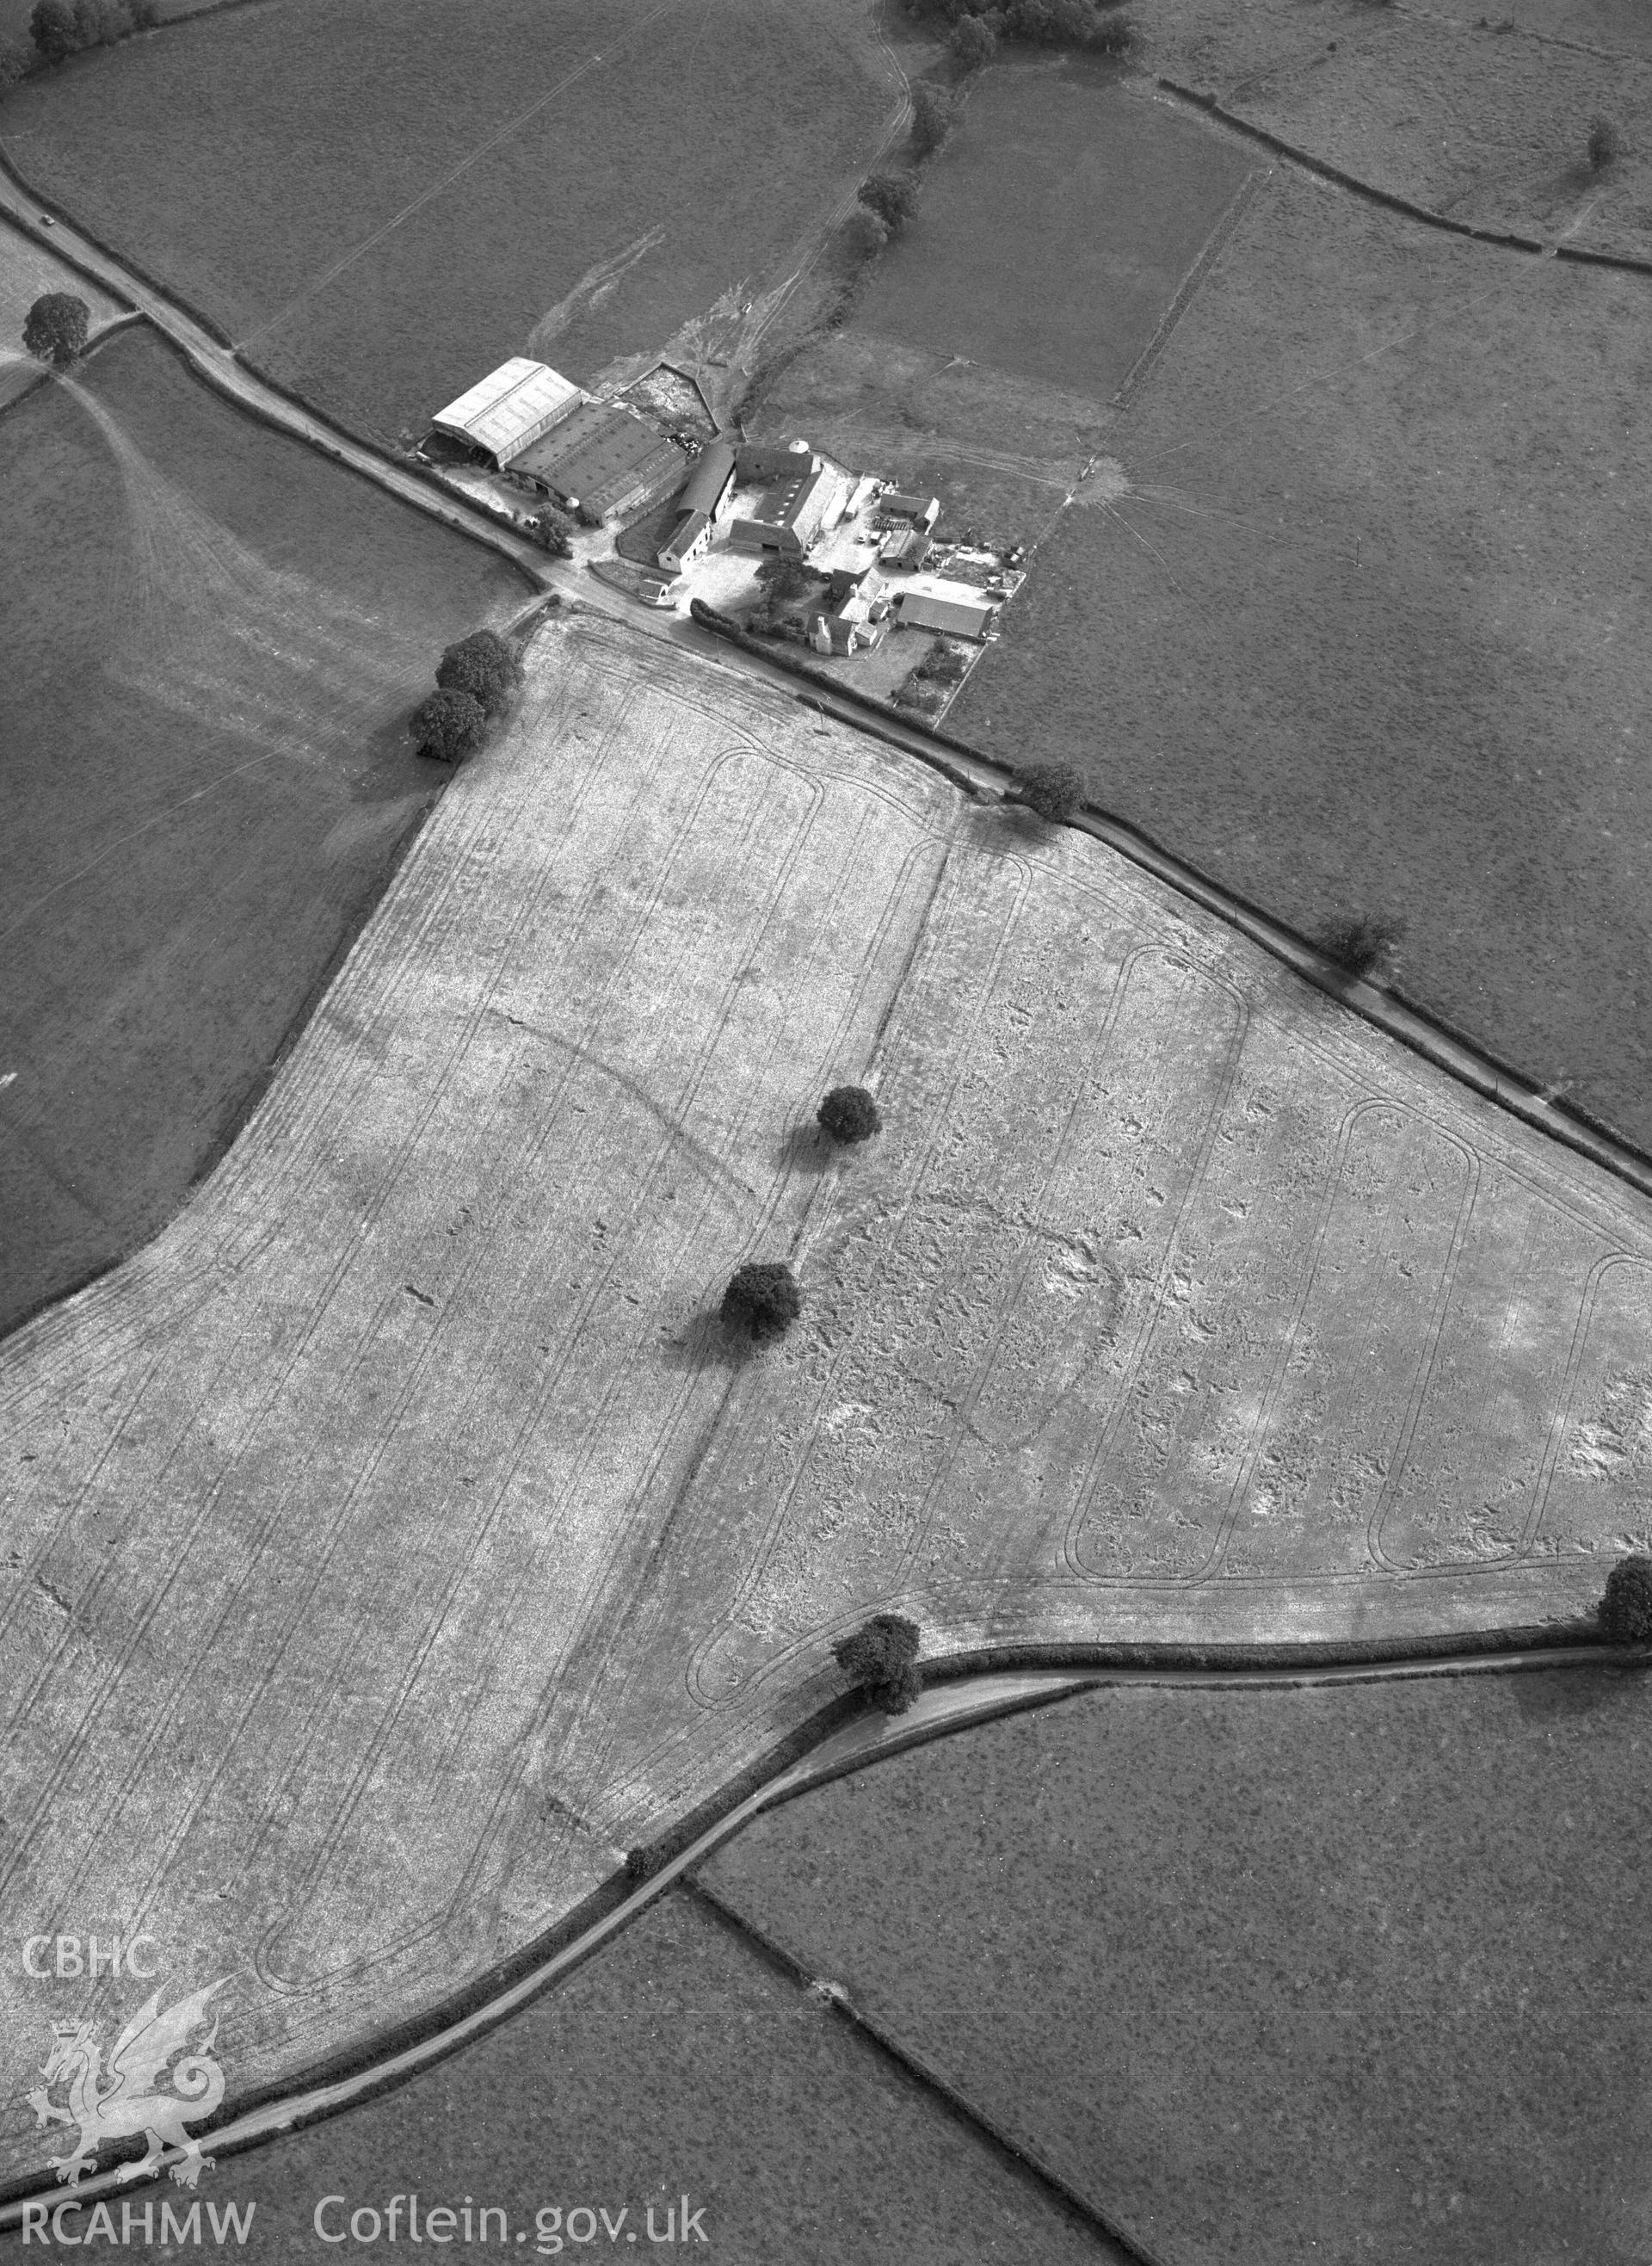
(220,366)
(955,1706)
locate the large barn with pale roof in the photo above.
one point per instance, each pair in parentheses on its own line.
(508,410)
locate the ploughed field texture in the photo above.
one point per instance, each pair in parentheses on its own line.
(1357,619)
(1485,121)
(681,2059)
(380,201)
(1269,1978)
(1172,1304)
(214,642)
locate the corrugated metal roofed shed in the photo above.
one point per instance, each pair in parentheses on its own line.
(605,456)
(923,609)
(509,408)
(708,482)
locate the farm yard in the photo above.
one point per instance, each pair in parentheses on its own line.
(1170,1305)
(215,639)
(1377,620)
(584,177)
(1332,1964)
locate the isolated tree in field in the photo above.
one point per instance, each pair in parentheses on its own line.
(54,328)
(881,1656)
(849,1114)
(934,114)
(483,665)
(761,1301)
(1626,1610)
(448,725)
(1606,144)
(1361,945)
(892,196)
(1051,791)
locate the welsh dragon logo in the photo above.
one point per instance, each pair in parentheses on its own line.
(119,2100)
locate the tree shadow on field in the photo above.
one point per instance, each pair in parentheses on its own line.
(807,1149)
(1560,1695)
(706,1342)
(1011,829)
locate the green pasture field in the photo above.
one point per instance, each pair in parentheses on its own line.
(1356,617)
(213,643)
(982,347)
(682,2058)
(1271,1977)
(379,202)
(1053,230)
(1485,121)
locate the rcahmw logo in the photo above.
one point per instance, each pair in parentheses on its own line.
(125,2097)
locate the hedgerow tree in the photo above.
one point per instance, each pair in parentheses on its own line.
(1606,144)
(1051,791)
(974,42)
(1626,1610)
(448,725)
(892,196)
(62,28)
(863,236)
(934,114)
(762,1300)
(881,1656)
(1361,945)
(16,62)
(55,327)
(849,1114)
(483,665)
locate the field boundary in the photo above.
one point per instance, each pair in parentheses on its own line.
(845,1736)
(977,2123)
(1390,199)
(1142,369)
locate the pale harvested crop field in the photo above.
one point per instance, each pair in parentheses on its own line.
(1359,620)
(1172,1303)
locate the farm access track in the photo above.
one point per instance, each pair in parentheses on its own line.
(845,1739)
